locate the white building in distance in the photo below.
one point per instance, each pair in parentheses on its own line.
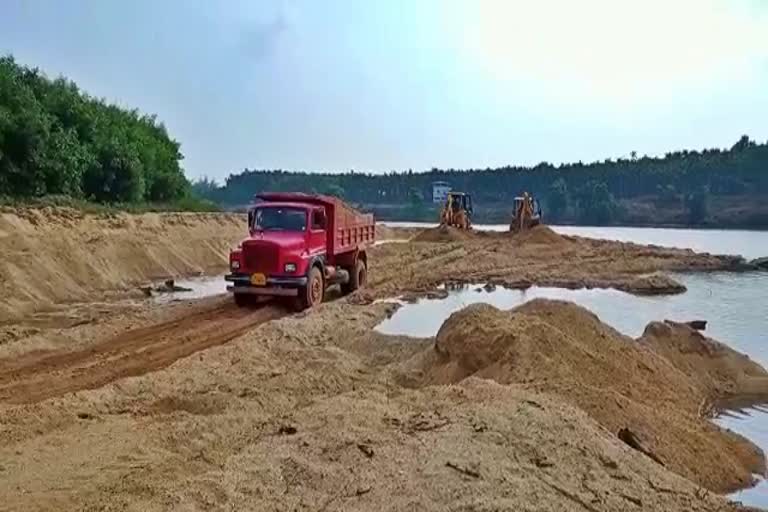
(440,191)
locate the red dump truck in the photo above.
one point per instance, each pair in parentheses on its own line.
(299,245)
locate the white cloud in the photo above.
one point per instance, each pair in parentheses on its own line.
(620,51)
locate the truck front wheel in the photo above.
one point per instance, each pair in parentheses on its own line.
(243,300)
(313,293)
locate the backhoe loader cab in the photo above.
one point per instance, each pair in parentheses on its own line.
(526,213)
(457,211)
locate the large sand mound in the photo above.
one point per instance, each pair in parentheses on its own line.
(656,387)
(443,234)
(51,256)
(540,235)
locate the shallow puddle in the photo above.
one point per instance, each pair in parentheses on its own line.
(424,318)
(199,288)
(390,241)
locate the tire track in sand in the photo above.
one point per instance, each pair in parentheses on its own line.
(37,376)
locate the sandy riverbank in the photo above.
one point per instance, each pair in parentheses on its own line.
(204,406)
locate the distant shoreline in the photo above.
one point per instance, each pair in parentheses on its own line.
(574,224)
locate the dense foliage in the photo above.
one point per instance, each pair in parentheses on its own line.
(55,139)
(590,193)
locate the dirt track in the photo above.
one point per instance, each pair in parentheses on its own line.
(40,375)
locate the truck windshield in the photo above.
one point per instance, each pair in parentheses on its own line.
(276,218)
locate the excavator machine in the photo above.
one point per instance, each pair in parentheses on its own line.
(457,210)
(527,213)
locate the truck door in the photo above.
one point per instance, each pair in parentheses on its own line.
(317,235)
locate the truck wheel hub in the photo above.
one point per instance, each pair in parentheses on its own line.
(316,290)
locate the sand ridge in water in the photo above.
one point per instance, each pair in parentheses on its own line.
(538,235)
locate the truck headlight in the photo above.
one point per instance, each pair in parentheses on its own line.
(234,265)
(290,267)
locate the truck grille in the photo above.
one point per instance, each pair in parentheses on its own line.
(260,257)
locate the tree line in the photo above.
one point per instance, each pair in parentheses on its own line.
(596,193)
(57,140)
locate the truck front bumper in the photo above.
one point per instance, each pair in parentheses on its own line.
(276,286)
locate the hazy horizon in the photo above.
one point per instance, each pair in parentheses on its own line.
(380,86)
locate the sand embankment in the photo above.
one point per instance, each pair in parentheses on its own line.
(53,256)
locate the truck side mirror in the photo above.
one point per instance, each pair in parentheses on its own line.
(250,219)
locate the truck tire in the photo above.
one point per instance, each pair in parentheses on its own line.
(357,276)
(312,294)
(243,300)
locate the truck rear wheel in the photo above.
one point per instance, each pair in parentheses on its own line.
(312,294)
(357,277)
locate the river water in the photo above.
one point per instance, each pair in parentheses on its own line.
(734,304)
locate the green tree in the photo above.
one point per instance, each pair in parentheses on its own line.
(667,195)
(596,204)
(115,176)
(557,200)
(205,188)
(697,206)
(333,189)
(416,208)
(63,163)
(54,139)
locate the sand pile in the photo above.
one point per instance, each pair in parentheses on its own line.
(443,234)
(540,235)
(563,349)
(59,255)
(657,283)
(383,232)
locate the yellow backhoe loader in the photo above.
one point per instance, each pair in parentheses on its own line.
(527,213)
(457,211)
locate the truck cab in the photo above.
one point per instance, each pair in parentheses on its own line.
(298,245)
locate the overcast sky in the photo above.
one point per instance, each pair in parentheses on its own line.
(382,84)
